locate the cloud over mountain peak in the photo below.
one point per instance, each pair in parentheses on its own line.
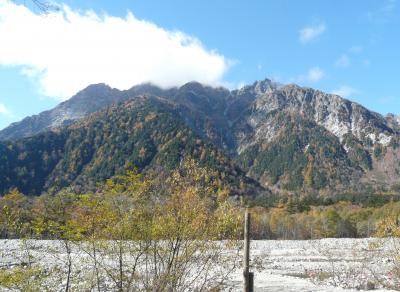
(65,50)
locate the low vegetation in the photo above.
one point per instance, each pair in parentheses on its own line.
(133,237)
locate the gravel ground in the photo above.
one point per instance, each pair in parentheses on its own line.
(320,265)
(312,265)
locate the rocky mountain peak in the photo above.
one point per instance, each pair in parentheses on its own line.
(258,88)
(97,87)
(338,115)
(148,89)
(192,86)
(264,86)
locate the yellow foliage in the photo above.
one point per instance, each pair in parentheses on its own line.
(142,152)
(21,279)
(308,172)
(151,116)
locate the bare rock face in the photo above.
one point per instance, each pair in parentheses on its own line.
(352,136)
(393,121)
(91,99)
(285,136)
(337,115)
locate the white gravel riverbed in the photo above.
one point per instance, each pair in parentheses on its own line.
(293,265)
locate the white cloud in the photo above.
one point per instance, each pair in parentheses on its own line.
(67,50)
(343,61)
(315,74)
(345,91)
(4,110)
(309,33)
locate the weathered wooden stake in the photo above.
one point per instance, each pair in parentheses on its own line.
(248,278)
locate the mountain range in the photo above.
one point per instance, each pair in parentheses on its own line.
(263,138)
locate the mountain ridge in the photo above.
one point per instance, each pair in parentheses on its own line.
(285,137)
(99,96)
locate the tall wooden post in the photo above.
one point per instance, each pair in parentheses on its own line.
(248,277)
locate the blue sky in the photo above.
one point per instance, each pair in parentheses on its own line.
(345,47)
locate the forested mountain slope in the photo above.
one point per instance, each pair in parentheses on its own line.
(284,137)
(145,132)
